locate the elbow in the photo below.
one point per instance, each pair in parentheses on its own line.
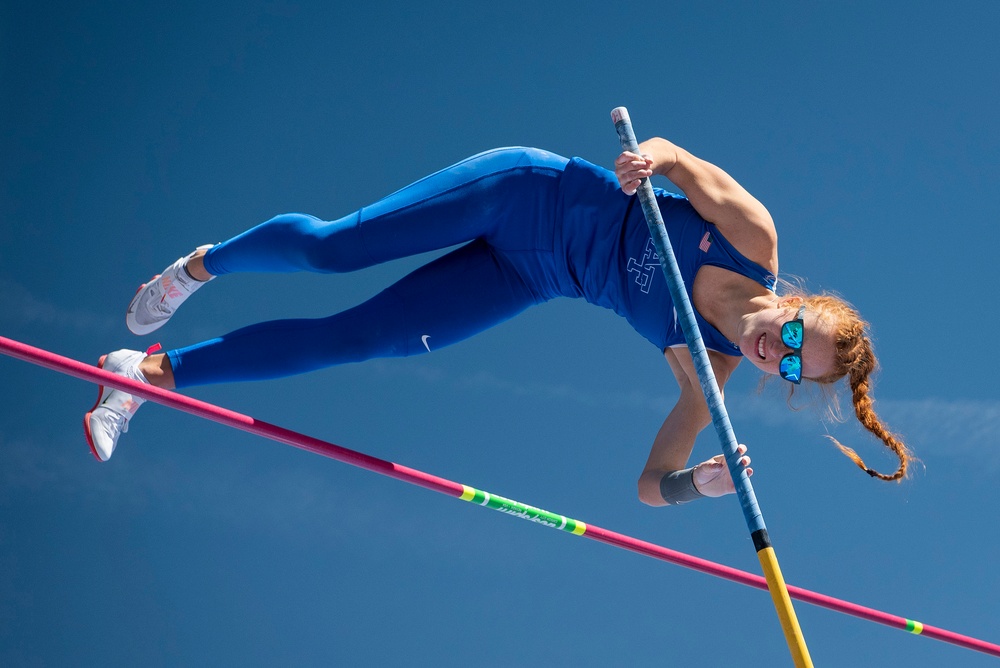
(649,489)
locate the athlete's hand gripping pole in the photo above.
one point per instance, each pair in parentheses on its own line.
(710,387)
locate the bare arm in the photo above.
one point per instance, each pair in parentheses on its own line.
(675,440)
(714,194)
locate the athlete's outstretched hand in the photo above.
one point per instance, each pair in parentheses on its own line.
(631,168)
(712,477)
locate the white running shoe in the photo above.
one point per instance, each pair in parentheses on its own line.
(109,417)
(156,301)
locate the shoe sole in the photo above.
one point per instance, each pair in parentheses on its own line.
(128,313)
(86,418)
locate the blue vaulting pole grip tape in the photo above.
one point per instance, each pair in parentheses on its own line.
(685,314)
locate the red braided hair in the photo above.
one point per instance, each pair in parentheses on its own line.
(855,359)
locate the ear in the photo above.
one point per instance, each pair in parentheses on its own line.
(791,301)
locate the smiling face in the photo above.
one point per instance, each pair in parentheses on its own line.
(835,344)
(760,340)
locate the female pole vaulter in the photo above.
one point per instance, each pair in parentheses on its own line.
(534,226)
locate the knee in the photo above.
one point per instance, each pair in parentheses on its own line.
(295,224)
(323,246)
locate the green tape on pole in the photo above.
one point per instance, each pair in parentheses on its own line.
(523,511)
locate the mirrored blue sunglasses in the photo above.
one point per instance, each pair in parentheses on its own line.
(790,366)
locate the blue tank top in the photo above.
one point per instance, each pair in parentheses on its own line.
(612,261)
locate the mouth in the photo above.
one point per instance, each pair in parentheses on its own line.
(760,346)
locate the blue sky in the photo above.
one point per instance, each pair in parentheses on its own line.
(133,132)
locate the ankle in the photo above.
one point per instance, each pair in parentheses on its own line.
(195,267)
(157,371)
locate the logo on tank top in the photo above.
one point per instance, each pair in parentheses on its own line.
(646,267)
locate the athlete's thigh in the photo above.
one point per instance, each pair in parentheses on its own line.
(503,193)
(445,301)
(457,296)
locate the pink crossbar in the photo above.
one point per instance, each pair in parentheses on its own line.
(230,418)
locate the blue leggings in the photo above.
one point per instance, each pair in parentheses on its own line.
(502,204)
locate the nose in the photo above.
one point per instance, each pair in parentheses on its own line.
(778,347)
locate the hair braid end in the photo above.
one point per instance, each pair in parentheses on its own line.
(854,457)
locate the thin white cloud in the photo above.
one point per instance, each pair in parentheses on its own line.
(21,306)
(957,427)
(235,495)
(938,427)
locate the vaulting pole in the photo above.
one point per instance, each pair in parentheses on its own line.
(246,423)
(720,418)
